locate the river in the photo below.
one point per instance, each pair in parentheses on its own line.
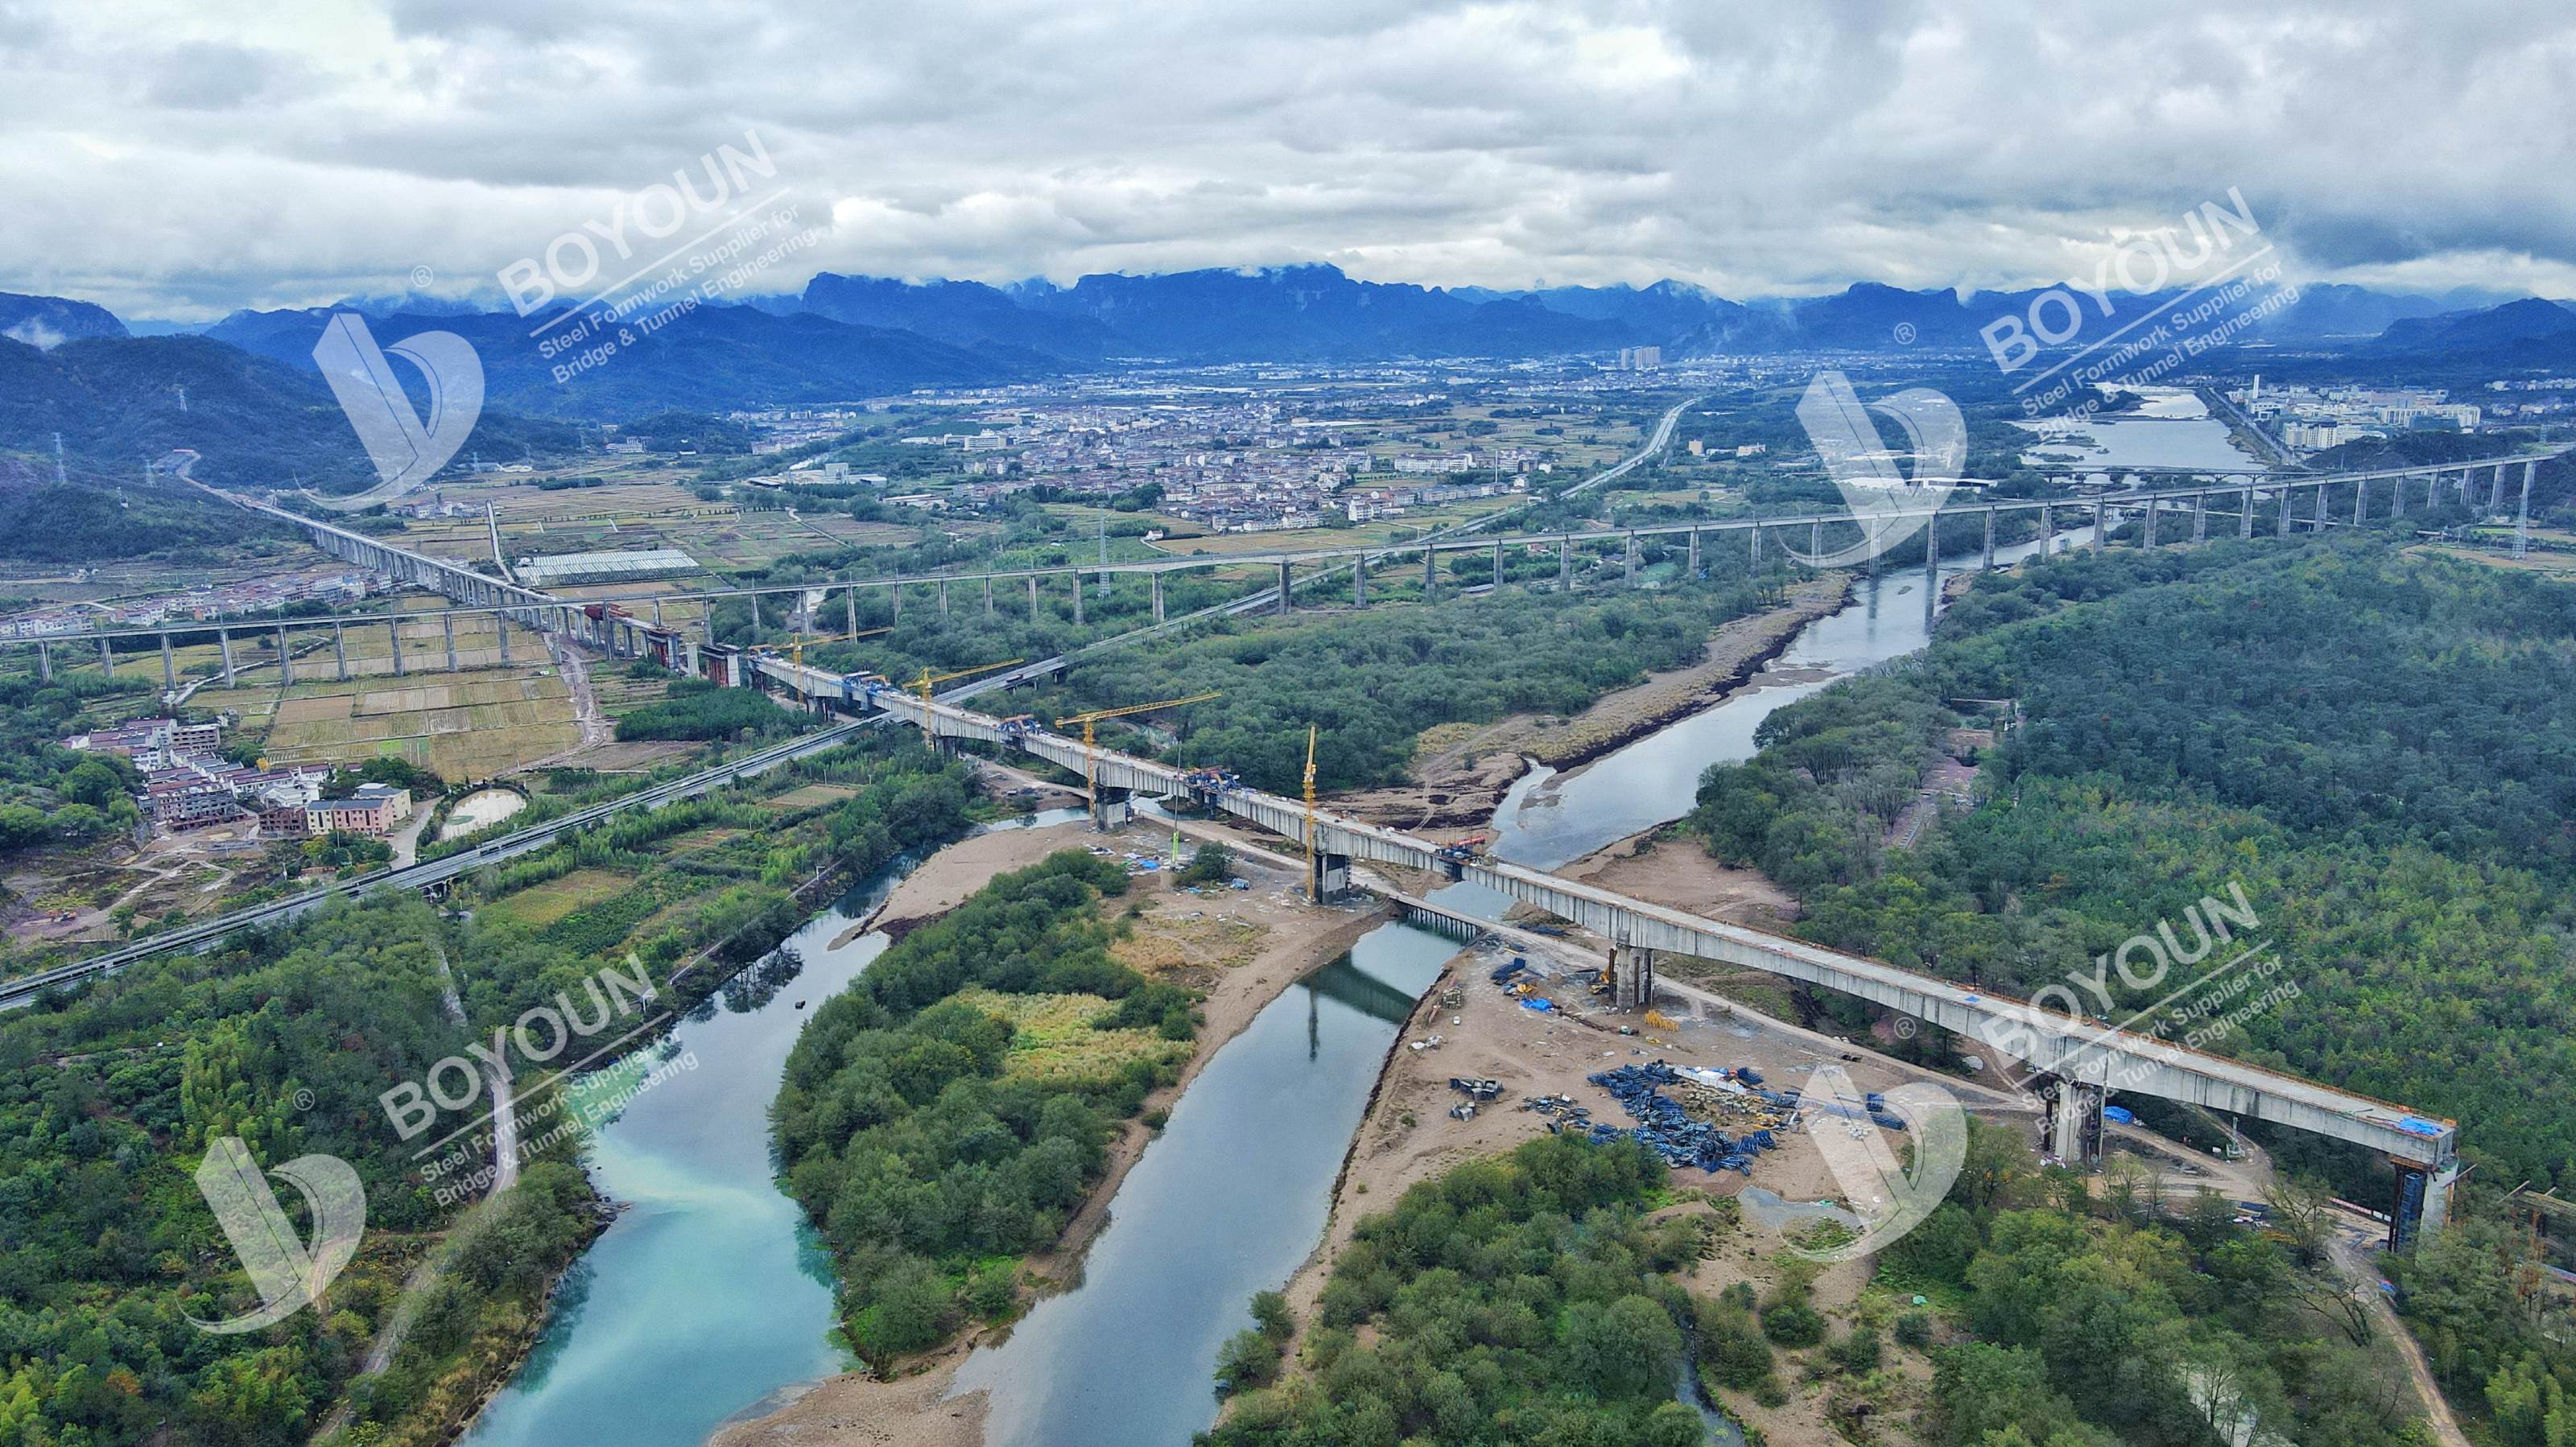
(710,1294)
(1549,819)
(1228,1202)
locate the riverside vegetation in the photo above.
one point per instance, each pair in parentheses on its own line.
(945,1115)
(2375,747)
(110,1094)
(1543,1298)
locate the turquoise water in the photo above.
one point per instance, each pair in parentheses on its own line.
(709,1291)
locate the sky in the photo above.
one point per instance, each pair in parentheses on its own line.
(183,160)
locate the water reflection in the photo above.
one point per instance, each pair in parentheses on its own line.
(1227,1202)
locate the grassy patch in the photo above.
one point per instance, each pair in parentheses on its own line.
(1052,1038)
(543,904)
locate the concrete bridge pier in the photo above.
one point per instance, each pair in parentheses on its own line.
(2200,517)
(285,658)
(224,641)
(1430,580)
(45,662)
(2101,524)
(2360,503)
(2150,534)
(988,599)
(2397,496)
(894,601)
(1631,977)
(106,657)
(1498,562)
(1156,578)
(1564,566)
(2423,1202)
(1752,550)
(1986,560)
(1693,563)
(943,597)
(2281,524)
(501,631)
(1359,582)
(340,649)
(2522,514)
(1284,592)
(1330,877)
(447,624)
(1033,599)
(1631,575)
(2047,528)
(2245,513)
(1077,597)
(1111,806)
(1816,539)
(2071,1129)
(169,665)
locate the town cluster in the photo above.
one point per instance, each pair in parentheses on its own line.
(188,783)
(197,605)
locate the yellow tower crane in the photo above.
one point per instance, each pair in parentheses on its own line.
(1314,879)
(796,650)
(1091,740)
(923,684)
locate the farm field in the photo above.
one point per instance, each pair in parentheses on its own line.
(465,725)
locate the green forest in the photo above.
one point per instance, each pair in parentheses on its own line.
(1373,681)
(110,1094)
(2372,746)
(1553,1295)
(1519,1299)
(930,1164)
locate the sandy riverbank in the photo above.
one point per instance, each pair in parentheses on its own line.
(1663,866)
(1463,772)
(1243,948)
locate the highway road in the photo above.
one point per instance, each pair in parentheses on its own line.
(204,933)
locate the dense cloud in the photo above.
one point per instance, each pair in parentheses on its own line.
(171,161)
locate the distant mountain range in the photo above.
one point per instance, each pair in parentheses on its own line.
(50,321)
(246,394)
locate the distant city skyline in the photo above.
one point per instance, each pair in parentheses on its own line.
(180,164)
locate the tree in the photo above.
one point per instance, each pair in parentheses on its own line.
(1248,1359)
(1623,1347)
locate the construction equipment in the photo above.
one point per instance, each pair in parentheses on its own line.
(1091,738)
(1314,878)
(923,684)
(796,649)
(1456,856)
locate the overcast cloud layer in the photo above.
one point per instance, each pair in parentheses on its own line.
(171,160)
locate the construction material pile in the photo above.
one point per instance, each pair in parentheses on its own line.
(1669,1130)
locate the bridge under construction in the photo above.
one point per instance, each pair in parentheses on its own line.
(2076,1063)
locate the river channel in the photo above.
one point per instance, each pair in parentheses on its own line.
(710,1297)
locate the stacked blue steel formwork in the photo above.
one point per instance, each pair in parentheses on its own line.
(1668,1130)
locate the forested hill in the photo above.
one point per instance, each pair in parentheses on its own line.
(2376,747)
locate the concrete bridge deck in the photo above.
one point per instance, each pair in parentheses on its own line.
(2079,1061)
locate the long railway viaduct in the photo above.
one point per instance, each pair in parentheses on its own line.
(2076,1063)
(2189,512)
